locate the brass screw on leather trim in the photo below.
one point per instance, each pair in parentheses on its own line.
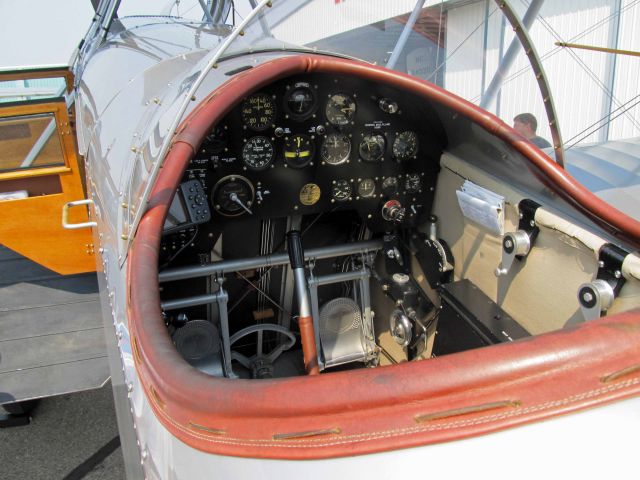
(310,433)
(456,412)
(620,373)
(214,431)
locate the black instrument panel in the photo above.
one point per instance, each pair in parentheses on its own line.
(315,143)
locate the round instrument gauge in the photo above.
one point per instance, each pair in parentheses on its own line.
(413,183)
(257,153)
(310,194)
(390,185)
(258,112)
(372,147)
(405,145)
(341,190)
(217,140)
(300,101)
(340,109)
(298,150)
(232,196)
(336,148)
(367,188)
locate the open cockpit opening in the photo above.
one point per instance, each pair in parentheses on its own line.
(318,215)
(366,172)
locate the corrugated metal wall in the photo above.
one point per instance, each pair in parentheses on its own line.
(577,77)
(464,50)
(321,19)
(627,74)
(581,81)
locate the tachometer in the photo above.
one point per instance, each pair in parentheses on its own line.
(340,109)
(335,149)
(257,153)
(298,150)
(372,147)
(405,145)
(258,112)
(232,196)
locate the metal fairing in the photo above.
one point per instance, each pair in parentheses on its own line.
(568,443)
(125,120)
(127,97)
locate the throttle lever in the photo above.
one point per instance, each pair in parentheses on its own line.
(305,320)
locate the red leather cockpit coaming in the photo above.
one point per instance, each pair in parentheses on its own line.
(368,410)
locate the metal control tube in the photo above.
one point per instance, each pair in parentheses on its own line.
(271,260)
(305,320)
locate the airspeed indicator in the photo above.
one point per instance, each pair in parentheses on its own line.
(258,112)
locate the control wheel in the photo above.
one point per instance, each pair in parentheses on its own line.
(261,364)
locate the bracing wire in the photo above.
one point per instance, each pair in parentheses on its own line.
(584,66)
(611,119)
(574,39)
(556,50)
(604,118)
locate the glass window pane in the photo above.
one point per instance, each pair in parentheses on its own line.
(32,89)
(29,141)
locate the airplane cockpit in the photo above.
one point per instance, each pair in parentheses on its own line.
(353,167)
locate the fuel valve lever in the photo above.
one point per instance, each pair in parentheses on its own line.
(305,321)
(393,211)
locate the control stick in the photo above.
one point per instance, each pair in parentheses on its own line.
(305,321)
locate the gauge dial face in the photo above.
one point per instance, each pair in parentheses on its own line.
(217,140)
(367,188)
(340,109)
(390,185)
(309,194)
(298,150)
(258,112)
(229,193)
(300,101)
(405,145)
(257,153)
(336,148)
(413,183)
(341,190)
(372,147)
